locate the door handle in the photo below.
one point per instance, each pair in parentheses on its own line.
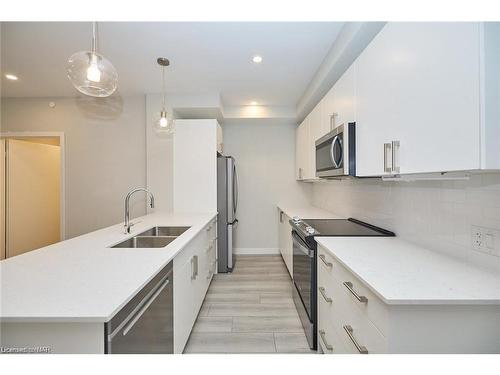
(323,294)
(323,338)
(323,259)
(387,148)
(332,120)
(350,332)
(349,287)
(194,267)
(395,155)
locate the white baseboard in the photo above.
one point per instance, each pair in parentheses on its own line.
(256,251)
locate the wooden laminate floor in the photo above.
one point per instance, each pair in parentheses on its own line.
(249,311)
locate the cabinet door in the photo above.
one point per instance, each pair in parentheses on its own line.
(301,154)
(315,132)
(327,111)
(418,83)
(285,241)
(185,311)
(344,99)
(439,108)
(281,237)
(288,246)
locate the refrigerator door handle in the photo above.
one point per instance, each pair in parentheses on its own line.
(235,191)
(230,247)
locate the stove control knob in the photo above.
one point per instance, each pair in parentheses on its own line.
(296,219)
(310,230)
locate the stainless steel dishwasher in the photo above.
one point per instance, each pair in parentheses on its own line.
(145,325)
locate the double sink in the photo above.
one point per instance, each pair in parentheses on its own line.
(155,237)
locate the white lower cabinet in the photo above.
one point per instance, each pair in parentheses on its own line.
(352,319)
(285,241)
(194,268)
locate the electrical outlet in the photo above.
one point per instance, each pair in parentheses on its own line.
(485,240)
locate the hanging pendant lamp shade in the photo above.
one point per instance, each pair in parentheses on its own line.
(91,73)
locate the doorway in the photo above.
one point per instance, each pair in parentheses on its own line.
(31,194)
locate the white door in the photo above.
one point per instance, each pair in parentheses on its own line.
(32,195)
(327,112)
(2,199)
(315,132)
(344,98)
(418,83)
(301,154)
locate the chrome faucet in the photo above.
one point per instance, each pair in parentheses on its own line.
(127,206)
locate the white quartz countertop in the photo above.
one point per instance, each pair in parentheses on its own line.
(82,279)
(307,212)
(400,272)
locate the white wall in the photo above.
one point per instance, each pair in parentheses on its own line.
(265,158)
(434,214)
(105,152)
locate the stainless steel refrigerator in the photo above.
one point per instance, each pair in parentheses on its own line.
(227,204)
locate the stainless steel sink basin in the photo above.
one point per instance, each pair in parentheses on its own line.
(164,231)
(146,242)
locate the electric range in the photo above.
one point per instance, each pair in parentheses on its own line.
(305,265)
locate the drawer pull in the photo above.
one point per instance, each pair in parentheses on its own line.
(348,285)
(209,247)
(323,294)
(327,345)
(323,259)
(350,333)
(208,228)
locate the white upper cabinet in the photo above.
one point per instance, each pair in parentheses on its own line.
(419,84)
(343,105)
(315,132)
(338,106)
(424,97)
(305,149)
(301,149)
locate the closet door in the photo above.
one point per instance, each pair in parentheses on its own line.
(33,195)
(2,199)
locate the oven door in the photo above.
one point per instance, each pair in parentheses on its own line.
(303,272)
(330,154)
(304,279)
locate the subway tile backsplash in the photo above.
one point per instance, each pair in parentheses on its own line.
(438,215)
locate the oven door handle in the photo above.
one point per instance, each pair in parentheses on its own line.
(301,246)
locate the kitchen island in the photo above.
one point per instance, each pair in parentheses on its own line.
(61,296)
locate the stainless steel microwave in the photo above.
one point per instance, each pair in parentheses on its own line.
(336,152)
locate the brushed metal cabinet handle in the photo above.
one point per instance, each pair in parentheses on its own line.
(349,286)
(323,338)
(387,148)
(323,259)
(323,294)
(395,154)
(350,332)
(332,120)
(194,267)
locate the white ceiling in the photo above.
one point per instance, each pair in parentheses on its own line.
(205,57)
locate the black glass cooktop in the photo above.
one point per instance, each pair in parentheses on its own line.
(340,227)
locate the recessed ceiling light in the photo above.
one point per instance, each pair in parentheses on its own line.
(253,103)
(12,77)
(257,59)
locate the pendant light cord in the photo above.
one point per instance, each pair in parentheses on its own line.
(94,38)
(163,86)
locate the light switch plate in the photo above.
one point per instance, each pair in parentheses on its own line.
(485,240)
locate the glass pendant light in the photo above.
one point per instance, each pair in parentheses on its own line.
(90,72)
(163,124)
